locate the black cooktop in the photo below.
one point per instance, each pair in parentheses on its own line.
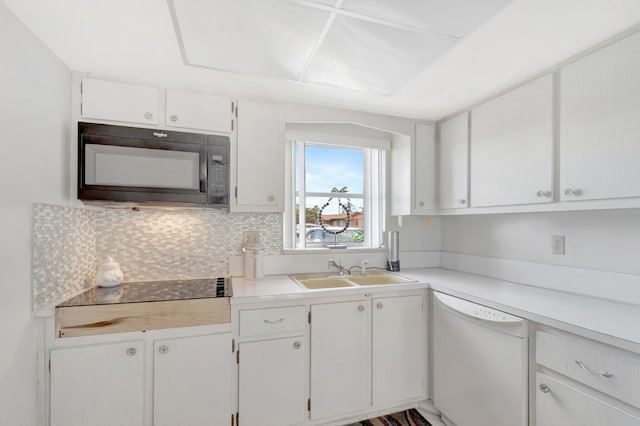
(153,291)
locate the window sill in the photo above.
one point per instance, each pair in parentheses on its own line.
(328,250)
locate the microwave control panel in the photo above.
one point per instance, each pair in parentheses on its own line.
(218,171)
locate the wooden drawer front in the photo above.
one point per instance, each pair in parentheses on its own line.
(601,369)
(558,404)
(274,320)
(76,321)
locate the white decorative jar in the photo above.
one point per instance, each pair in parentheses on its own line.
(109,274)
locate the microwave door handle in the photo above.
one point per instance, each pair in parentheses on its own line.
(203,170)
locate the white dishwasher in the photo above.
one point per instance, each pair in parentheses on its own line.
(480,364)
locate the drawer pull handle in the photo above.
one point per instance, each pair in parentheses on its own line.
(544,388)
(274,321)
(606,375)
(583,366)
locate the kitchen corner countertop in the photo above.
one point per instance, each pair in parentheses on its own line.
(604,320)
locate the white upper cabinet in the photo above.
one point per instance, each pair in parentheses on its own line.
(425,168)
(413,172)
(454,163)
(512,147)
(260,155)
(199,111)
(600,124)
(108,100)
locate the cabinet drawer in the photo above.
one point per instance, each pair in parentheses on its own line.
(558,404)
(273,320)
(605,370)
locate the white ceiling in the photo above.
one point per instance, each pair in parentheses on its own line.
(274,45)
(371,46)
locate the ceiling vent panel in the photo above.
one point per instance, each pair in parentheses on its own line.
(270,38)
(451,17)
(365,56)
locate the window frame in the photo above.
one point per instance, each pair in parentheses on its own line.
(373,196)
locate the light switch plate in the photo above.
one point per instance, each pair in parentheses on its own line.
(557,244)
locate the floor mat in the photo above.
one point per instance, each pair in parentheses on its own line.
(403,418)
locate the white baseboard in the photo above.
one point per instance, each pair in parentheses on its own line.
(617,286)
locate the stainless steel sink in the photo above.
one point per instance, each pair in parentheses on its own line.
(325,281)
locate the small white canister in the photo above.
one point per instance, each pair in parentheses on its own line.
(109,274)
(253,261)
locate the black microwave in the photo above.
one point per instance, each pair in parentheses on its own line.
(127,164)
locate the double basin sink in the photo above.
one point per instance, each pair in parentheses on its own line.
(323,281)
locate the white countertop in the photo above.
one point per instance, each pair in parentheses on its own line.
(603,320)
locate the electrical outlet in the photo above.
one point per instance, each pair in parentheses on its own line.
(251,237)
(557,244)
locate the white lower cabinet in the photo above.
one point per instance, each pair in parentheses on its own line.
(187,379)
(583,382)
(192,381)
(99,385)
(271,383)
(367,354)
(398,353)
(340,358)
(559,404)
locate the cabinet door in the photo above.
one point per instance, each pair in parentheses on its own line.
(425,168)
(108,100)
(198,111)
(558,404)
(271,382)
(399,330)
(192,381)
(340,358)
(454,162)
(260,170)
(512,147)
(600,124)
(98,385)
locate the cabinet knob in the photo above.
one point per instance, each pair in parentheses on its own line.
(544,388)
(163,349)
(379,305)
(572,192)
(173,118)
(131,351)
(544,194)
(297,345)
(462,201)
(360,308)
(271,198)
(421,203)
(148,115)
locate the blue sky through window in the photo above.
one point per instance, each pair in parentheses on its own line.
(328,167)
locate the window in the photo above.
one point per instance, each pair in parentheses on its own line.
(335,196)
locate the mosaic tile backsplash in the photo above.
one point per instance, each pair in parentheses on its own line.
(154,244)
(64,253)
(149,244)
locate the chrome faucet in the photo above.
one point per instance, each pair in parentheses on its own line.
(332,264)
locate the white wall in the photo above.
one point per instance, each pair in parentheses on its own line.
(607,240)
(35,97)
